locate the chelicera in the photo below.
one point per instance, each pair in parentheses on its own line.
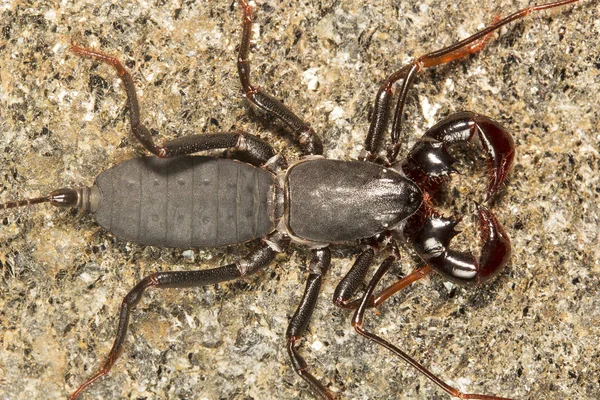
(174,199)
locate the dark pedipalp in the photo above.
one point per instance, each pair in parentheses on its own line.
(431,235)
(431,156)
(429,163)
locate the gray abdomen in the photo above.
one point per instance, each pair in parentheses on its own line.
(186,202)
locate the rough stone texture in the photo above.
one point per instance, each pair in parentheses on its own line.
(531,334)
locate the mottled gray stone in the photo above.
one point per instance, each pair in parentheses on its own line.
(531,334)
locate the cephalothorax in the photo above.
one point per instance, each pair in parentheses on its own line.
(174,199)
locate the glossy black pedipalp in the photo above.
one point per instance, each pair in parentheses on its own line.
(431,238)
(429,162)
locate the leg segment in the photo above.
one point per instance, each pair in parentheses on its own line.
(358,324)
(399,285)
(297,328)
(243,146)
(308,140)
(256,261)
(139,130)
(429,163)
(353,279)
(471,45)
(247,147)
(348,286)
(394,148)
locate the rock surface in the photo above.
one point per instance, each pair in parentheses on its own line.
(531,334)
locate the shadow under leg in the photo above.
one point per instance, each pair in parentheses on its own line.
(255,262)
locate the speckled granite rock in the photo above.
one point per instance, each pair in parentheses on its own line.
(531,334)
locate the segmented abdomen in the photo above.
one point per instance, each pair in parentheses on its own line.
(186,202)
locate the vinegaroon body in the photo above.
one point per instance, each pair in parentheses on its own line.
(205,202)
